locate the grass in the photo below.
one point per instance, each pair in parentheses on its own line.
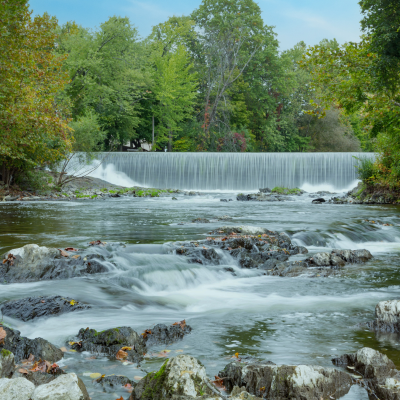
(284,190)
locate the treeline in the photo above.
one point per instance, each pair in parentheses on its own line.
(211,81)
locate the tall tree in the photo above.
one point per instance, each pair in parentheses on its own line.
(33,127)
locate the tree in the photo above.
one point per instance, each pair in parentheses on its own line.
(33,126)
(175,81)
(381,23)
(231,34)
(108,75)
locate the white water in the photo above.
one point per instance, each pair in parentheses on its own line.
(232,171)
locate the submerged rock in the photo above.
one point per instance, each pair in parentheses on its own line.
(32,263)
(286,381)
(42,306)
(387,317)
(23,347)
(200,221)
(163,334)
(65,387)
(110,342)
(179,376)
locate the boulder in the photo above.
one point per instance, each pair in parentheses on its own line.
(42,306)
(16,389)
(241,394)
(179,376)
(387,317)
(379,372)
(110,342)
(300,382)
(65,387)
(163,334)
(32,263)
(111,382)
(23,347)
(200,221)
(371,364)
(37,377)
(7,364)
(319,200)
(338,258)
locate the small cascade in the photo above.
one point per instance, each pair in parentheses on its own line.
(236,171)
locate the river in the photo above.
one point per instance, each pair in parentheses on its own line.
(285,320)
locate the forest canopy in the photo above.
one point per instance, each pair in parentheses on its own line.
(214,80)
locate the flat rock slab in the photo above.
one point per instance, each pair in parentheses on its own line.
(42,306)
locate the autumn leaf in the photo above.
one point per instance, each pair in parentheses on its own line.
(146,333)
(63,253)
(121,355)
(97,243)
(182,324)
(9,259)
(237,355)
(3,335)
(126,348)
(219,383)
(121,398)
(23,371)
(72,302)
(70,249)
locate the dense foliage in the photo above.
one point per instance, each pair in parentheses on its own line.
(211,81)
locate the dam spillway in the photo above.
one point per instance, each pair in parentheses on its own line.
(236,171)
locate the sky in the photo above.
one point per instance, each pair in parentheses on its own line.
(294,20)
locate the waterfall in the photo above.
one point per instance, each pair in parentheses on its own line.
(235,171)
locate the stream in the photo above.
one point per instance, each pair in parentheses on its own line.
(296,320)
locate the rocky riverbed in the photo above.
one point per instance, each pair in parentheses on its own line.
(135,296)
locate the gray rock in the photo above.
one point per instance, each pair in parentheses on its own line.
(33,263)
(65,387)
(163,334)
(200,221)
(387,317)
(321,259)
(110,341)
(301,382)
(371,364)
(179,376)
(353,256)
(23,347)
(111,382)
(241,394)
(16,389)
(7,364)
(43,306)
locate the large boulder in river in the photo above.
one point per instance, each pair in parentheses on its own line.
(163,334)
(378,371)
(179,376)
(32,263)
(23,347)
(300,382)
(41,306)
(122,342)
(338,258)
(16,389)
(65,387)
(387,317)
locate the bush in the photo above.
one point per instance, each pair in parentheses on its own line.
(365,169)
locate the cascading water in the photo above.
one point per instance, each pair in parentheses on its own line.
(233,171)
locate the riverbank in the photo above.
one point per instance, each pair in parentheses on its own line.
(86,188)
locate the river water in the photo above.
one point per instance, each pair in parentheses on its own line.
(285,320)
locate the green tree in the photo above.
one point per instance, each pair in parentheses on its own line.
(33,126)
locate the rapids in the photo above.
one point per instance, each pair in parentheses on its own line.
(285,320)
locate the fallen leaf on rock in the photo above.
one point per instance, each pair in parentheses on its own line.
(97,243)
(146,332)
(41,366)
(95,375)
(10,259)
(219,383)
(76,257)
(137,378)
(63,349)
(121,355)
(3,335)
(70,249)
(121,398)
(126,348)
(23,371)
(73,343)
(237,355)
(72,302)
(182,324)
(63,253)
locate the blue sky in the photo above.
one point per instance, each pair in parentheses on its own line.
(294,20)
